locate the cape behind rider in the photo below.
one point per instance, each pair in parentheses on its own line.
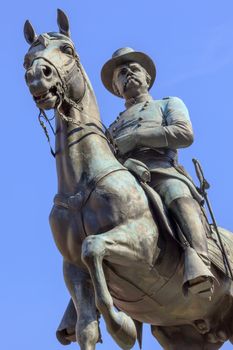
(151,131)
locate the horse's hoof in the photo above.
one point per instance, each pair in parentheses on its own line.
(124,332)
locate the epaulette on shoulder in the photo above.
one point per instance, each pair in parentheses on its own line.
(166,98)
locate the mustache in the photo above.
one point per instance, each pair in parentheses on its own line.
(131,77)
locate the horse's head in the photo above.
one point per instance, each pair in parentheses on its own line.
(52,66)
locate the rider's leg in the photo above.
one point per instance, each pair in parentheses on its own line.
(187,213)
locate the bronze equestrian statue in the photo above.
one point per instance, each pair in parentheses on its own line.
(123,255)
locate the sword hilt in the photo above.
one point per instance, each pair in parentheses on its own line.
(204,185)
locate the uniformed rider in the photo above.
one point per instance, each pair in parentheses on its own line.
(151,131)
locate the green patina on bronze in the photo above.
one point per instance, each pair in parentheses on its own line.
(137,239)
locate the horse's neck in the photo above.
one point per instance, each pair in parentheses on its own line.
(80,154)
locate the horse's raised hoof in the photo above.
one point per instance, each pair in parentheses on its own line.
(123,331)
(202,286)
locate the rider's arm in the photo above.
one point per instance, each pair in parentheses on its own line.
(177,133)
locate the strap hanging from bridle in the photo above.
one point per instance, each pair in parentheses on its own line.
(43,115)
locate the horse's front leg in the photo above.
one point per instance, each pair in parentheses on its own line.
(94,250)
(80,287)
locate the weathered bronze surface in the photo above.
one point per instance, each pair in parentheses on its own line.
(120,245)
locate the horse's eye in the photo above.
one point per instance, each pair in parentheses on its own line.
(67,50)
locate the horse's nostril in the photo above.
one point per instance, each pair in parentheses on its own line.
(47,71)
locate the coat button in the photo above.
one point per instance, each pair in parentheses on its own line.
(140,118)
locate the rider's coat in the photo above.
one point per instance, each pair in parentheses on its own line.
(161,127)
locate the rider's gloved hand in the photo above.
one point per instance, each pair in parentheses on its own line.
(126,143)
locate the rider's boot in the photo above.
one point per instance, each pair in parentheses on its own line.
(198,278)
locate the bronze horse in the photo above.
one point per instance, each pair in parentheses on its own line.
(116,262)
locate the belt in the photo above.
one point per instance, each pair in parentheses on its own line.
(168,156)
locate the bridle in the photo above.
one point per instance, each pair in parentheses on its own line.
(61,92)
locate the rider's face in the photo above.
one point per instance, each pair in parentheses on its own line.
(130,80)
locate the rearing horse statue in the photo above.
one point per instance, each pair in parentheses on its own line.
(116,262)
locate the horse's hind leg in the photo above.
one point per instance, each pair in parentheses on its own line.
(110,246)
(80,287)
(183,338)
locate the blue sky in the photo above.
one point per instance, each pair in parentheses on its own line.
(192,45)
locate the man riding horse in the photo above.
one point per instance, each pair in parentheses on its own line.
(151,131)
(118,259)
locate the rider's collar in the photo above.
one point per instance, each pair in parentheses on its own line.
(141,98)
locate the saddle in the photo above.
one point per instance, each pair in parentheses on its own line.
(168,227)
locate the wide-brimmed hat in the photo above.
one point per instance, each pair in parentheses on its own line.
(125,55)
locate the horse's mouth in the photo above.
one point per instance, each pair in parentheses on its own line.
(46,95)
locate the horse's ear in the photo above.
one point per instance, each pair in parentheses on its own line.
(29,32)
(63,23)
